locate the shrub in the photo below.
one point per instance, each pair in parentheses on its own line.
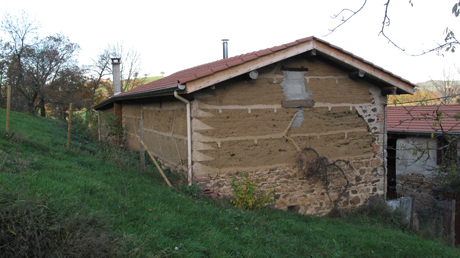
(246,195)
(59,235)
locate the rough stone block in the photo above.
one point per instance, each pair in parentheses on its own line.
(355,201)
(280,204)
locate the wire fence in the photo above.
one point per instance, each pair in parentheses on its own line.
(431,214)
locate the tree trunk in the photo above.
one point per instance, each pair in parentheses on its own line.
(31,108)
(42,107)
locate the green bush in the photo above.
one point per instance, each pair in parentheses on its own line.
(246,195)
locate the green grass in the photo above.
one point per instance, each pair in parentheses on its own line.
(94,196)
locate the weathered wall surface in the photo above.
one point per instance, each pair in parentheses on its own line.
(104,116)
(131,123)
(161,123)
(409,158)
(415,182)
(240,126)
(294,191)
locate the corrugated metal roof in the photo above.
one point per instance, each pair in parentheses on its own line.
(418,119)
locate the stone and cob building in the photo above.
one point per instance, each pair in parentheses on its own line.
(256,113)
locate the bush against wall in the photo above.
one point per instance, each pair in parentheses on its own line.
(247,196)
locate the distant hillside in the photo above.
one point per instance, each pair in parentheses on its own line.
(431,85)
(151,79)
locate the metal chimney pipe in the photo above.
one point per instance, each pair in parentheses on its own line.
(116,76)
(225,46)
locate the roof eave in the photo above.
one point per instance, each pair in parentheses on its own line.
(138,95)
(419,132)
(372,71)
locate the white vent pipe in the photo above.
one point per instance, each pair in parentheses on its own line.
(189,137)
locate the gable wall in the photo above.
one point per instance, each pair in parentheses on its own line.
(239,125)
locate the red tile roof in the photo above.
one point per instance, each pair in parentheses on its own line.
(197,72)
(418,119)
(210,68)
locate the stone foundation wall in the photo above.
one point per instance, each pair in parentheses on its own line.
(429,203)
(294,191)
(415,182)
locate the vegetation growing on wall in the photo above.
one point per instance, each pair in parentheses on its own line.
(319,168)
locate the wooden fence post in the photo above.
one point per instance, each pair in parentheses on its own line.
(452,224)
(142,149)
(412,208)
(8,108)
(70,122)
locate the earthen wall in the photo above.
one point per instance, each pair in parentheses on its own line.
(241,126)
(161,123)
(104,128)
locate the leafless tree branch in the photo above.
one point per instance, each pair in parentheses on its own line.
(450,41)
(344,20)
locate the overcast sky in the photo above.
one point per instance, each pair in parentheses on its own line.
(175,35)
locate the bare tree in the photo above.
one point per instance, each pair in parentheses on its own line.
(3,66)
(450,41)
(32,64)
(448,88)
(45,61)
(67,87)
(98,70)
(130,67)
(20,30)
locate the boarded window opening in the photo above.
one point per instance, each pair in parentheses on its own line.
(294,90)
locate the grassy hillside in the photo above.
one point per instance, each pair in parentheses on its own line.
(92,201)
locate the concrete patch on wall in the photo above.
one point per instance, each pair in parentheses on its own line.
(298,120)
(293,86)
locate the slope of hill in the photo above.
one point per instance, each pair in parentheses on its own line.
(93,201)
(151,79)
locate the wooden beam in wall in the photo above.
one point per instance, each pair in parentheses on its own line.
(389,91)
(297,103)
(310,55)
(301,69)
(141,136)
(356,75)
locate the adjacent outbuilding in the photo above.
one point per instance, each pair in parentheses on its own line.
(422,140)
